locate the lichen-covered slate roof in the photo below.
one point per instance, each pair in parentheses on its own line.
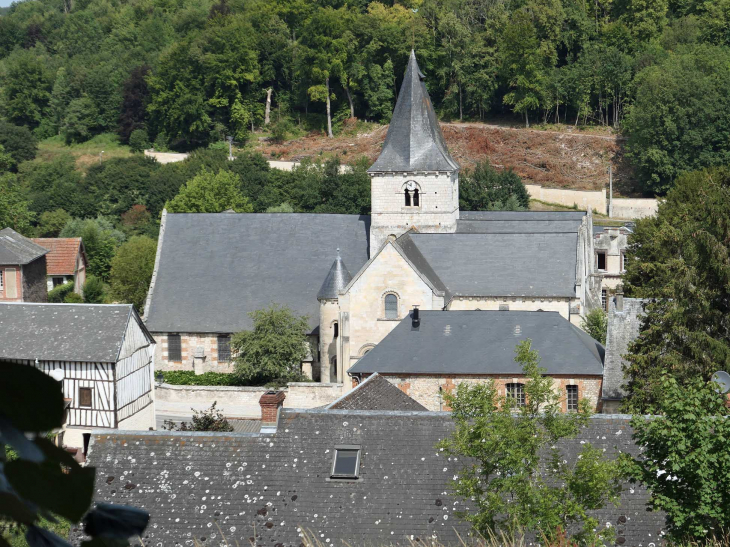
(18,249)
(376,393)
(622,329)
(63,254)
(268,490)
(496,264)
(216,268)
(63,332)
(482,343)
(511,222)
(414,141)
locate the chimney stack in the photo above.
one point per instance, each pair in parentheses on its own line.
(271,402)
(416,318)
(620,300)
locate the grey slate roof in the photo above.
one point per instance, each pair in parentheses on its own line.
(63,332)
(337,279)
(482,342)
(216,268)
(18,249)
(517,226)
(523,216)
(376,393)
(501,264)
(623,328)
(275,486)
(414,141)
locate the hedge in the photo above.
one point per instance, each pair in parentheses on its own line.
(189,378)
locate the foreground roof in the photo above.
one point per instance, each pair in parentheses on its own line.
(414,141)
(63,254)
(213,269)
(376,393)
(496,264)
(622,329)
(18,249)
(64,332)
(481,343)
(270,490)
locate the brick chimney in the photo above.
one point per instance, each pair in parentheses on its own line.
(271,402)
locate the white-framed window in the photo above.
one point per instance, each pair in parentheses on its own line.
(391,306)
(571,398)
(346,463)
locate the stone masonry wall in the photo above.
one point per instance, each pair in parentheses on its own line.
(514,303)
(429,390)
(35,288)
(189,342)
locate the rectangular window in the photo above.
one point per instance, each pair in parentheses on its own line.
(604,299)
(1,280)
(224,347)
(174,348)
(601,261)
(572,392)
(346,464)
(516,392)
(85,396)
(623,262)
(57,281)
(11,283)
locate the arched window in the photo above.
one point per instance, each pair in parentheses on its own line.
(408,198)
(391,306)
(416,199)
(336,328)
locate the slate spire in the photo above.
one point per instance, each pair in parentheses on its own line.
(414,141)
(336,280)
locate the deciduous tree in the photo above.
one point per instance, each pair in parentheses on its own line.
(211,192)
(131,270)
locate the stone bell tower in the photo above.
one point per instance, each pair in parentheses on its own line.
(414,182)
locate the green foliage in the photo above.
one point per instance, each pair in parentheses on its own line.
(6,160)
(41,481)
(56,184)
(100,239)
(680,260)
(680,120)
(52,222)
(685,461)
(210,419)
(211,192)
(189,378)
(486,189)
(14,208)
(81,120)
(18,141)
(274,349)
(519,481)
(95,290)
(73,298)
(283,208)
(59,293)
(131,270)
(139,140)
(595,324)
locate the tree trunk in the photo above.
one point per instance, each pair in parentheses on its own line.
(527,119)
(267,113)
(461,106)
(329,112)
(349,100)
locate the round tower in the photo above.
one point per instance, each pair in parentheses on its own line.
(329,320)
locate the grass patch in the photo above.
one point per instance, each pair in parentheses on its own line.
(85,153)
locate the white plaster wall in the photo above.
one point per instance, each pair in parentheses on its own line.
(585,200)
(140,421)
(312,394)
(631,208)
(73,437)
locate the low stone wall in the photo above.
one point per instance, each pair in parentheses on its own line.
(243,402)
(634,207)
(583,199)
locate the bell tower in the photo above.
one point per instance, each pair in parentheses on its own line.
(414,182)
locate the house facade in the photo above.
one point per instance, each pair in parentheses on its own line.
(610,244)
(22,268)
(65,261)
(102,353)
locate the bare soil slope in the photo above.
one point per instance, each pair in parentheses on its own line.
(561,159)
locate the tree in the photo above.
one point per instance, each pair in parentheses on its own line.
(137,221)
(131,270)
(520,481)
(274,349)
(100,239)
(94,290)
(210,419)
(209,192)
(135,97)
(486,189)
(82,118)
(139,140)
(18,141)
(52,222)
(595,324)
(680,261)
(14,212)
(26,86)
(685,459)
(6,160)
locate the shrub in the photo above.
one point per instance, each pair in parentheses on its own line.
(18,141)
(139,140)
(73,298)
(131,270)
(486,189)
(94,290)
(189,378)
(203,420)
(596,324)
(59,294)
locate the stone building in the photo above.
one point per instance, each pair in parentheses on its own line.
(65,261)
(22,268)
(357,277)
(610,243)
(430,352)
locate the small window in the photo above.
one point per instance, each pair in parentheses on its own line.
(572,392)
(408,198)
(346,464)
(85,396)
(391,306)
(1,280)
(336,328)
(601,261)
(224,347)
(174,348)
(623,262)
(516,392)
(604,299)
(416,198)
(57,281)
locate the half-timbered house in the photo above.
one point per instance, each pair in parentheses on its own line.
(103,353)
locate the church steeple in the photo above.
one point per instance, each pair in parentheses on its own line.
(414,142)
(337,279)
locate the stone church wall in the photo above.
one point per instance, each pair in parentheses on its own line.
(429,390)
(514,303)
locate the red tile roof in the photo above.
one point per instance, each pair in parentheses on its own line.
(63,255)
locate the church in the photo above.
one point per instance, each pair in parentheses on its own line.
(357,277)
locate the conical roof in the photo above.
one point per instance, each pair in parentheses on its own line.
(336,280)
(414,141)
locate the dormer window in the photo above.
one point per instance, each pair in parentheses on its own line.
(346,464)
